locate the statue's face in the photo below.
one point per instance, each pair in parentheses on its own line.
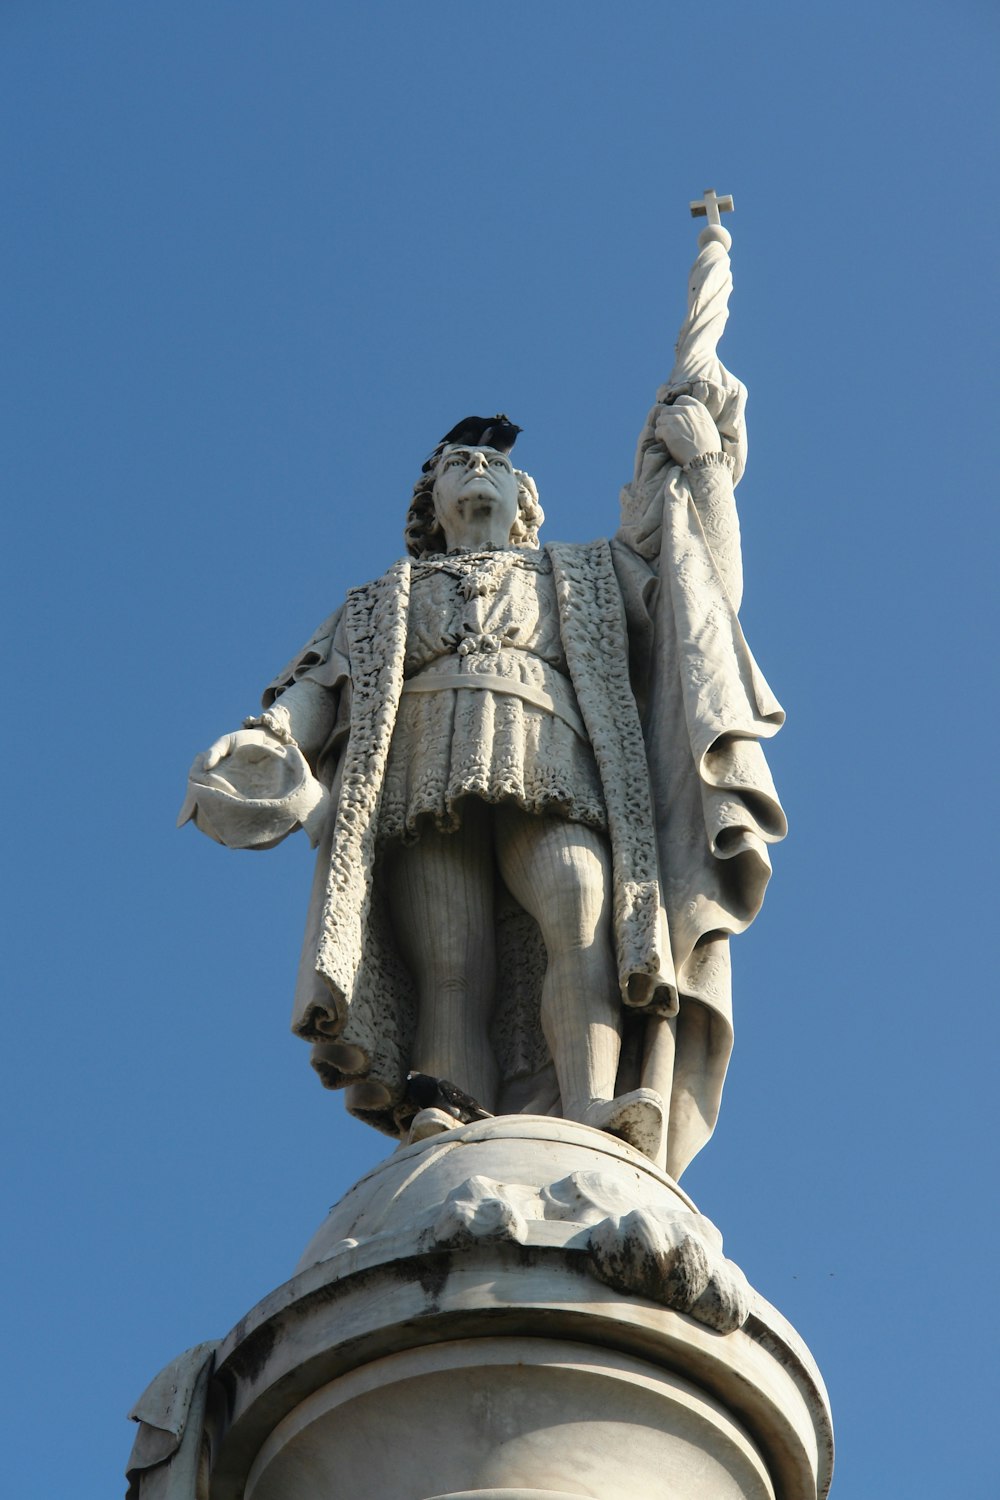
(475,487)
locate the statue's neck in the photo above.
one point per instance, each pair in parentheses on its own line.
(477,534)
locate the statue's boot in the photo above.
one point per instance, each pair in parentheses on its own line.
(636,1118)
(429,1122)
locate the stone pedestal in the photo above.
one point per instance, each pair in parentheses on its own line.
(520,1309)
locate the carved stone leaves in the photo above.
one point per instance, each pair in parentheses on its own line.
(671,1256)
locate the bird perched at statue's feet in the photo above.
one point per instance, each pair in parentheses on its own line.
(437,1093)
(497,432)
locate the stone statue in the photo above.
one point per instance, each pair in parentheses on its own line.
(535,780)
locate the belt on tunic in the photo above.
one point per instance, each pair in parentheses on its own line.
(448,673)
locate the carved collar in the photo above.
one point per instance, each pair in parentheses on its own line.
(488,560)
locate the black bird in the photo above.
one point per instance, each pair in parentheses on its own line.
(437,1093)
(497,432)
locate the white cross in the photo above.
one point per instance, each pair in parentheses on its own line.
(711,206)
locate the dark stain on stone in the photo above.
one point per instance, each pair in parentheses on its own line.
(432,1272)
(578,1261)
(250,1356)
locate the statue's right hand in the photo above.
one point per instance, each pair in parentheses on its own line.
(245,749)
(246,744)
(250,789)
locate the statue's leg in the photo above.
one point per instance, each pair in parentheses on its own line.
(441,899)
(560,872)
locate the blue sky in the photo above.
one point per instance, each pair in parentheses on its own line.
(255,259)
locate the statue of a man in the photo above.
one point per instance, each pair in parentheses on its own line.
(535,779)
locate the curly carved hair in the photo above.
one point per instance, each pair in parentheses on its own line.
(423,533)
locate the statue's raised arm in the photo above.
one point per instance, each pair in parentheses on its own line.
(698,371)
(698,421)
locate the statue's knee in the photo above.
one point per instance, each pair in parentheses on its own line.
(448,983)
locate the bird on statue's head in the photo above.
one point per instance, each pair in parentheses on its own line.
(497,432)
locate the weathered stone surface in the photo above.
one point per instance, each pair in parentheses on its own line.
(676,1259)
(510,1412)
(553,1179)
(454,1287)
(517,1304)
(479,1209)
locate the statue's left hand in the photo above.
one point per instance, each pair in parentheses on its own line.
(686,430)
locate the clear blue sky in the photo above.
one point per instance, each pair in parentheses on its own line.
(255,259)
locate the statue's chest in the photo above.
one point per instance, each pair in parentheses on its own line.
(488,601)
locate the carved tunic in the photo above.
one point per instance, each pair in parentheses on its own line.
(487,707)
